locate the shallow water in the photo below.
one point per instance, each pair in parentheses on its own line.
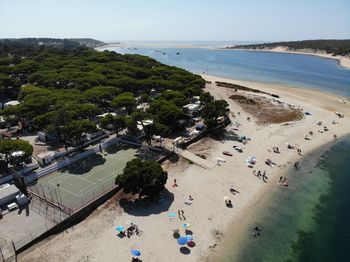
(288,69)
(308,221)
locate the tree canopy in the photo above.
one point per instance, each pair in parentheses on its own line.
(146,178)
(60,82)
(330,46)
(7,146)
(75,129)
(116,122)
(213,110)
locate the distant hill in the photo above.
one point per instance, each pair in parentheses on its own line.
(331,46)
(89,42)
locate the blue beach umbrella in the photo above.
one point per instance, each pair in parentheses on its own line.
(182,241)
(120,228)
(189,238)
(135,252)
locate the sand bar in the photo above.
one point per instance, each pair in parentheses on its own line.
(343,60)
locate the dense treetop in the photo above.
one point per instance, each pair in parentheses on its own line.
(331,46)
(60,84)
(146,178)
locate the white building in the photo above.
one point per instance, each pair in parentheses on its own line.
(46,157)
(191,108)
(8,194)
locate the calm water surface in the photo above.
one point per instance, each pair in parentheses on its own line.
(309,221)
(288,69)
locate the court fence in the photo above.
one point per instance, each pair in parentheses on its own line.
(67,161)
(53,196)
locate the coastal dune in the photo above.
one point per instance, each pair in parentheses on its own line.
(343,60)
(95,239)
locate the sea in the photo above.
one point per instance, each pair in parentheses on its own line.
(309,220)
(306,222)
(304,71)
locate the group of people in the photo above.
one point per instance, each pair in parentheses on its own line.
(228,203)
(133,228)
(276,149)
(283,181)
(256,231)
(260,175)
(269,162)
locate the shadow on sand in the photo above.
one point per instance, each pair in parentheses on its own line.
(146,207)
(224,135)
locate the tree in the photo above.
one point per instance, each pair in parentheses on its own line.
(9,146)
(145,178)
(126,100)
(165,112)
(176,97)
(131,125)
(101,95)
(75,130)
(206,98)
(213,110)
(117,122)
(139,116)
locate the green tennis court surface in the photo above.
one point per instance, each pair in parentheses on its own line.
(84,180)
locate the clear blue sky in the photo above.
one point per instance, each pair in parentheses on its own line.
(193,20)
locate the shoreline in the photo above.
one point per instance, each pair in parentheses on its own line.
(241,229)
(343,61)
(161,45)
(313,153)
(211,220)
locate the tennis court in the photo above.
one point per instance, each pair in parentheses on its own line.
(84,180)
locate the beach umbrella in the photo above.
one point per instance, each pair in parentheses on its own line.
(189,238)
(135,253)
(186,225)
(120,228)
(182,241)
(171,215)
(226,198)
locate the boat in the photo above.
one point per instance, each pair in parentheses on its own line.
(227,153)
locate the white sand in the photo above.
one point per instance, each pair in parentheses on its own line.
(95,238)
(343,60)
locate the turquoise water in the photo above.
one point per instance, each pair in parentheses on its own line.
(309,221)
(288,69)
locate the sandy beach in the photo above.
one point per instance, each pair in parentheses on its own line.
(343,60)
(162,44)
(95,238)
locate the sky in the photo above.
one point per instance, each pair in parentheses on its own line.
(176,20)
